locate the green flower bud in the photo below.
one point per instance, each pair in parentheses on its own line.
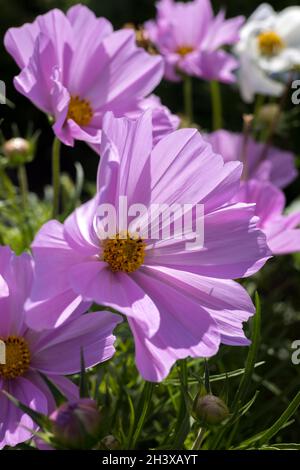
(17,151)
(268,113)
(111,443)
(209,409)
(76,425)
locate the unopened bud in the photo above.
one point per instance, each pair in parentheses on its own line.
(17,150)
(268,113)
(111,443)
(16,146)
(76,425)
(210,409)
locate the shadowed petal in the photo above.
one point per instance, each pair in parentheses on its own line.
(91,333)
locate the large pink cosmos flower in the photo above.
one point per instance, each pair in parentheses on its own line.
(277,166)
(283,236)
(75,68)
(54,353)
(178,302)
(190,37)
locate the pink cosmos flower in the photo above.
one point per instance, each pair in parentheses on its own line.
(283,236)
(163,120)
(278,166)
(54,353)
(75,68)
(190,37)
(178,302)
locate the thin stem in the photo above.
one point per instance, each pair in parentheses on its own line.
(184,373)
(275,122)
(143,409)
(183,423)
(199,439)
(217,108)
(206,373)
(188,98)
(259,102)
(248,120)
(23,185)
(6,186)
(56,176)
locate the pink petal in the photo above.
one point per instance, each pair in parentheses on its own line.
(133,142)
(52,312)
(185,157)
(226,301)
(91,333)
(94,280)
(125,77)
(194,333)
(16,424)
(79,230)
(53,257)
(239,252)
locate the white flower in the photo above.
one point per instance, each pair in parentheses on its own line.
(269,45)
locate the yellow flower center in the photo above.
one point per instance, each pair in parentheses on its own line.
(124,254)
(184,50)
(270,43)
(80,111)
(17,358)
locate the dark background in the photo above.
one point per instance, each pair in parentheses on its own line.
(16,12)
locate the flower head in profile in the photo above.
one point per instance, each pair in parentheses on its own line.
(179,302)
(282,231)
(269,47)
(275,165)
(75,68)
(28,353)
(190,38)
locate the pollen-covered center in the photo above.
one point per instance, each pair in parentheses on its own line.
(270,43)
(80,111)
(184,50)
(17,358)
(124,253)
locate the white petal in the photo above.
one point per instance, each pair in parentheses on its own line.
(253,80)
(288,26)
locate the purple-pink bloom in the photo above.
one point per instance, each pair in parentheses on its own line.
(275,165)
(190,38)
(282,232)
(178,302)
(75,68)
(163,121)
(29,353)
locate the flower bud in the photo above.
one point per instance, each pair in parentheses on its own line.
(268,113)
(17,150)
(76,425)
(111,443)
(210,409)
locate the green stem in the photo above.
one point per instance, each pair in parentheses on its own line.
(275,121)
(188,98)
(184,373)
(259,102)
(56,176)
(143,409)
(183,420)
(23,185)
(199,439)
(247,126)
(216,101)
(6,186)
